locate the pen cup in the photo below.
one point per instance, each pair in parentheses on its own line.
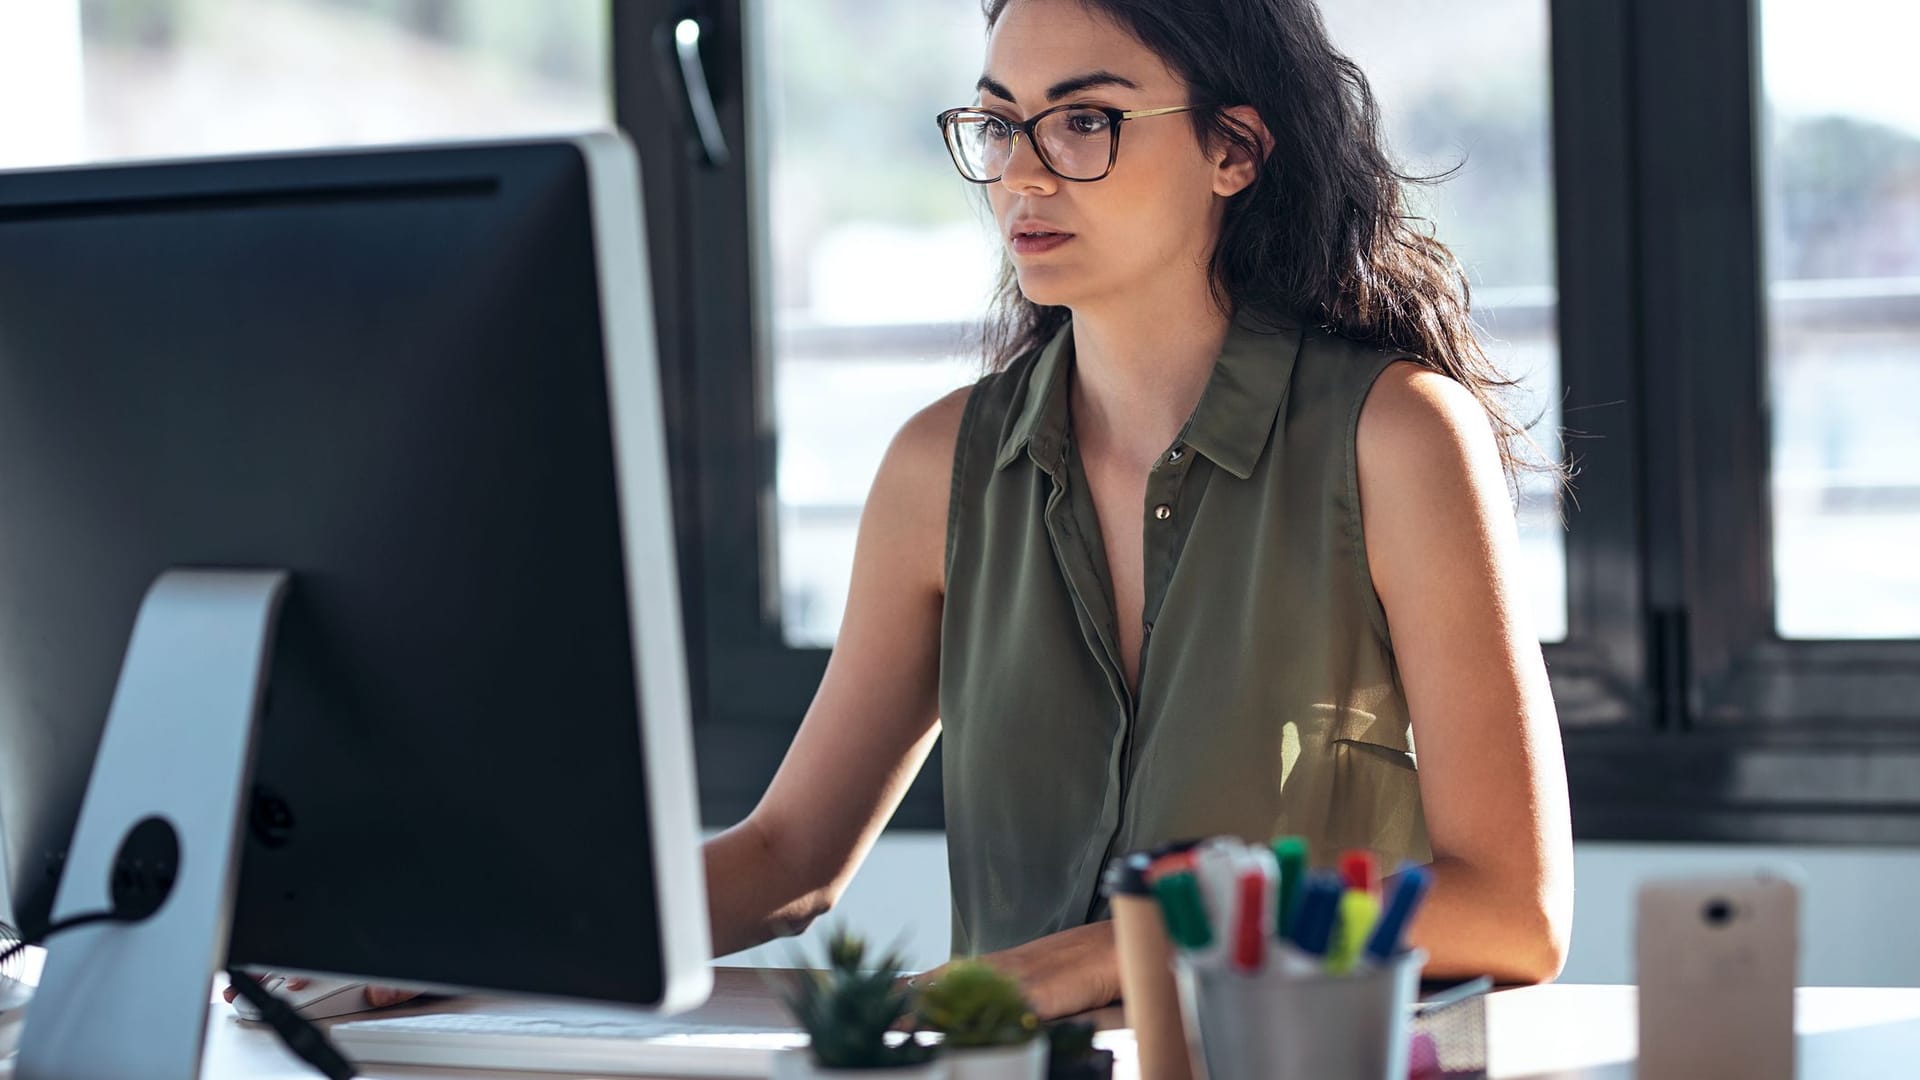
(1148,998)
(1279,1026)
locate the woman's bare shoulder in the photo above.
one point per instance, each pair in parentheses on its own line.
(907,508)
(925,443)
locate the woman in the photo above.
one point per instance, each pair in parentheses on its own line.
(1224,536)
(1222,539)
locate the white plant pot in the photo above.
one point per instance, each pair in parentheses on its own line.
(1028,1061)
(796,1063)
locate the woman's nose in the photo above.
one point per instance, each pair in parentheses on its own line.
(1024,170)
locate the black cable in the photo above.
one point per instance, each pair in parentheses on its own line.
(299,1033)
(296,1031)
(64,924)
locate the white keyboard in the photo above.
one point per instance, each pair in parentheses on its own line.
(563,1040)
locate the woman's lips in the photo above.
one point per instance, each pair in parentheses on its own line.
(1035,245)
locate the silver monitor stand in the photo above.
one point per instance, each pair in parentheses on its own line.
(128,1001)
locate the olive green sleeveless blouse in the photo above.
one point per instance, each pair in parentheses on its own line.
(1268,698)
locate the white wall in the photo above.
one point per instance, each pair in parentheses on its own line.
(1850,897)
(1855,907)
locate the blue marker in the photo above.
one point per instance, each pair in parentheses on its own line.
(1407,894)
(1319,907)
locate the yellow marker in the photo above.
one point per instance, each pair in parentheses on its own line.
(1358,912)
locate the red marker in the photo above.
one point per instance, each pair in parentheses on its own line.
(1250,923)
(1357,867)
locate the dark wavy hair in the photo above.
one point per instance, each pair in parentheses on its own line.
(1323,235)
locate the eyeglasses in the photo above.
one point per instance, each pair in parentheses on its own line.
(1074,142)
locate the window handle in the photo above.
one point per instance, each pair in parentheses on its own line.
(685,36)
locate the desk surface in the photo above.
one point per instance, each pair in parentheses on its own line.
(1543,1032)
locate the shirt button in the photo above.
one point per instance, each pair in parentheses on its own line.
(1176,454)
(1163,511)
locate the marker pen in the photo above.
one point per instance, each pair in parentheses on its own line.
(1409,889)
(1291,853)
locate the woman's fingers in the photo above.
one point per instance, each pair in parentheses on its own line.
(263,979)
(378,997)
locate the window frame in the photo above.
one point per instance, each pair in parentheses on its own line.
(1735,748)
(1681,711)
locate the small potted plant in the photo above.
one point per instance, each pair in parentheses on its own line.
(849,1012)
(989,1031)
(1071,1056)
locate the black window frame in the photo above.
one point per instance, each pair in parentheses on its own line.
(1685,717)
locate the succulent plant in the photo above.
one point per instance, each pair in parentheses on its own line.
(974,1005)
(848,1009)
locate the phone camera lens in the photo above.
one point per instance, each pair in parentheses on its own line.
(1718,912)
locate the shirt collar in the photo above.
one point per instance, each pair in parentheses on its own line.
(1230,425)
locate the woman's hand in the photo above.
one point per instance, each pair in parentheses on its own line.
(378,997)
(1062,974)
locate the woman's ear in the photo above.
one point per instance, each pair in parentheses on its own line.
(1234,170)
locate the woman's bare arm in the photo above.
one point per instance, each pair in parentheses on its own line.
(874,718)
(1443,551)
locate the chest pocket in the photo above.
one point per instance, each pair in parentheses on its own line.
(1351,783)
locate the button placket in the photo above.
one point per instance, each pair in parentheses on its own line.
(1163,483)
(1163,497)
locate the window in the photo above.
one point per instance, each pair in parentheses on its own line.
(1842,194)
(1730,612)
(164,78)
(1726,389)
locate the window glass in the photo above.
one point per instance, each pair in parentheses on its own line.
(162,78)
(877,259)
(1841,140)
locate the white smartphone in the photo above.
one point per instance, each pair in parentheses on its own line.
(1716,960)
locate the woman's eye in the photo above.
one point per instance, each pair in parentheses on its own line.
(1087,123)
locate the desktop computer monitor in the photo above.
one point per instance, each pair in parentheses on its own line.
(422,383)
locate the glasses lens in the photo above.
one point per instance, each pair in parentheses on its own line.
(980,142)
(1078,142)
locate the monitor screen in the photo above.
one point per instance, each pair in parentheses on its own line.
(423,382)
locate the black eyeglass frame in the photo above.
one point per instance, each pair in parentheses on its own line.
(1117,117)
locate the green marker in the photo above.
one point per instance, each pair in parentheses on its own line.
(1184,910)
(1291,852)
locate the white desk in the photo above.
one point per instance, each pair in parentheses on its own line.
(1547,1032)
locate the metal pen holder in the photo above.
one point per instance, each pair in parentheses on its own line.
(1274,1025)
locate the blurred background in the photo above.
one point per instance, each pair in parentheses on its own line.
(869,261)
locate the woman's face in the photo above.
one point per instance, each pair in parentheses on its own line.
(1152,221)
